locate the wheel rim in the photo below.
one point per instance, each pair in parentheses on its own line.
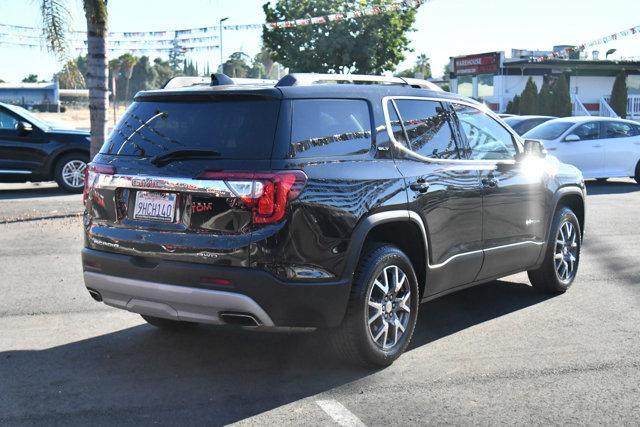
(73,173)
(389,307)
(566,252)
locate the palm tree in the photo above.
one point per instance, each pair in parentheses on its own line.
(55,17)
(128,61)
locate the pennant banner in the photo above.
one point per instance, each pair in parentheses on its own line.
(582,47)
(191,33)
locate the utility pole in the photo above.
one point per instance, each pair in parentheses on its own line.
(221,53)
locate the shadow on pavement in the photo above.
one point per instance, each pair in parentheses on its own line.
(207,374)
(27,191)
(611,187)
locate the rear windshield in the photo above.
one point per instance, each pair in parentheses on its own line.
(235,128)
(549,130)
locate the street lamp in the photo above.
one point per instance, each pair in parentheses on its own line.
(221,57)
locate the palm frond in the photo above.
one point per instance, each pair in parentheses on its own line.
(55,21)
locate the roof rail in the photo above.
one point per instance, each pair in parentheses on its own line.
(217,79)
(305,79)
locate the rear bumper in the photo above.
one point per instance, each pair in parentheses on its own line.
(183,291)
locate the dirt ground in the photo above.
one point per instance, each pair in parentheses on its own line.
(78,117)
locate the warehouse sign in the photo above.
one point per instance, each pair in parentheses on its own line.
(483,63)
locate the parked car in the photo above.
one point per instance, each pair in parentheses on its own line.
(600,147)
(505,115)
(34,150)
(523,124)
(335,206)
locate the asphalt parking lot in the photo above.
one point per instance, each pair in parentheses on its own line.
(497,353)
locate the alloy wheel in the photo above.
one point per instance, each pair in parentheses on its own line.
(389,310)
(566,252)
(73,173)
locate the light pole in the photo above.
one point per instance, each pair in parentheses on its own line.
(221,57)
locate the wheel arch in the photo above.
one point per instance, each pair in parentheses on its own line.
(573,198)
(404,229)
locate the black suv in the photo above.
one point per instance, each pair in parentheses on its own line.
(316,205)
(34,150)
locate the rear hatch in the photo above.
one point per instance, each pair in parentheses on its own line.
(180,177)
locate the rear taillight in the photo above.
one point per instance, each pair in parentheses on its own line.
(266,193)
(91,172)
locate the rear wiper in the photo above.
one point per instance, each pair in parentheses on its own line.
(182,154)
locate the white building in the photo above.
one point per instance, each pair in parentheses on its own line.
(495,79)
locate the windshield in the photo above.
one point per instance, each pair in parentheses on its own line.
(549,130)
(513,120)
(30,117)
(236,128)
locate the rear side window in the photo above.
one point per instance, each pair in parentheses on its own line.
(426,123)
(617,130)
(236,128)
(330,127)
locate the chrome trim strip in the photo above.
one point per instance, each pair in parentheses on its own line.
(215,187)
(16,171)
(528,242)
(172,301)
(399,146)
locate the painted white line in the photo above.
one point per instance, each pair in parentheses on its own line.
(341,415)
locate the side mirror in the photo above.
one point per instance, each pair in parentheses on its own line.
(24,127)
(533,147)
(572,138)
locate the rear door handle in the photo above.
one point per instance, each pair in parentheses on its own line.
(420,186)
(597,146)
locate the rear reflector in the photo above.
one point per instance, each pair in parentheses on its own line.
(215,281)
(91,172)
(266,193)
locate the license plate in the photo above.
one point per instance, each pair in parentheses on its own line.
(155,206)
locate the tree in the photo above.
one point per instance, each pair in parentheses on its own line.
(545,99)
(237,65)
(143,76)
(421,67)
(562,106)
(31,78)
(163,70)
(368,45)
(70,76)
(529,98)
(55,18)
(265,59)
(115,66)
(513,107)
(128,61)
(176,56)
(620,95)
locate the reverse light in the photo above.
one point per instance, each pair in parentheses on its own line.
(91,173)
(266,193)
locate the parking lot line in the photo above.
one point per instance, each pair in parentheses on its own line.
(341,415)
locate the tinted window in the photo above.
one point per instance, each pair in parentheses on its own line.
(617,130)
(486,138)
(549,130)
(236,128)
(330,127)
(527,125)
(7,121)
(587,131)
(427,126)
(637,128)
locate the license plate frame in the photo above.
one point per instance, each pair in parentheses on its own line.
(156,206)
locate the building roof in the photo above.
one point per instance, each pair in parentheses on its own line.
(28,86)
(571,63)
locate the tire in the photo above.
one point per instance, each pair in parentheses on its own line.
(161,323)
(354,339)
(637,177)
(556,275)
(69,172)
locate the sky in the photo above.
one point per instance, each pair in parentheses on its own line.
(443,28)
